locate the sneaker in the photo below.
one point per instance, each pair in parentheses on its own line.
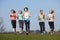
(20,32)
(41,33)
(26,33)
(51,33)
(44,32)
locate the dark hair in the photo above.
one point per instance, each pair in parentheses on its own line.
(41,10)
(25,8)
(13,10)
(21,12)
(52,11)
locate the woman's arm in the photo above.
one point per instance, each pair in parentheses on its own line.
(53,17)
(43,16)
(47,17)
(38,16)
(29,14)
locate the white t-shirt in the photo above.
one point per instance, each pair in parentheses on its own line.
(26,15)
(50,17)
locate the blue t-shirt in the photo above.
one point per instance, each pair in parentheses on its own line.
(27,19)
(20,17)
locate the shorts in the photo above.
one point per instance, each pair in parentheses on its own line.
(51,24)
(13,22)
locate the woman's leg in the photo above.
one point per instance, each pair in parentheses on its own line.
(28,26)
(40,27)
(52,26)
(44,31)
(14,25)
(43,26)
(21,26)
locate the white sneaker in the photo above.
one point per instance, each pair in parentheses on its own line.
(20,32)
(13,30)
(44,32)
(51,33)
(41,33)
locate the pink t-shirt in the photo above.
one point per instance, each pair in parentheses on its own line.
(13,16)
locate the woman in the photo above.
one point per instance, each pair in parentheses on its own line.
(50,18)
(41,18)
(13,19)
(20,18)
(27,19)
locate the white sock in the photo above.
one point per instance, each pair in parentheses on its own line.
(13,30)
(20,30)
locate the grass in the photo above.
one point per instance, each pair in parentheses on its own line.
(31,36)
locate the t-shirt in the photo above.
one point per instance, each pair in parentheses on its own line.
(13,16)
(41,18)
(50,17)
(20,17)
(26,16)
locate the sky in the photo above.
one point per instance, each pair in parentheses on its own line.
(34,7)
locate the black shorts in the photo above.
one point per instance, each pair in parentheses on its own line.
(21,22)
(51,24)
(13,22)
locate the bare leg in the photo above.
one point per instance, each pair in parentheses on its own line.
(51,31)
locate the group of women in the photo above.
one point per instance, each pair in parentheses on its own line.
(24,17)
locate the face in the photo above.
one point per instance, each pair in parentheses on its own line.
(41,12)
(20,11)
(11,11)
(26,10)
(51,11)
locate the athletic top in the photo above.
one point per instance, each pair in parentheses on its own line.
(41,18)
(13,16)
(26,16)
(50,17)
(20,17)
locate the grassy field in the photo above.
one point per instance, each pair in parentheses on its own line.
(31,36)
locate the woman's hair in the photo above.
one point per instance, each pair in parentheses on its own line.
(13,10)
(20,11)
(26,8)
(41,10)
(52,11)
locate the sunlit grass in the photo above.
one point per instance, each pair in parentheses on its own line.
(31,36)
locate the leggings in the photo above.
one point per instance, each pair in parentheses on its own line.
(13,22)
(51,24)
(42,26)
(27,24)
(21,22)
